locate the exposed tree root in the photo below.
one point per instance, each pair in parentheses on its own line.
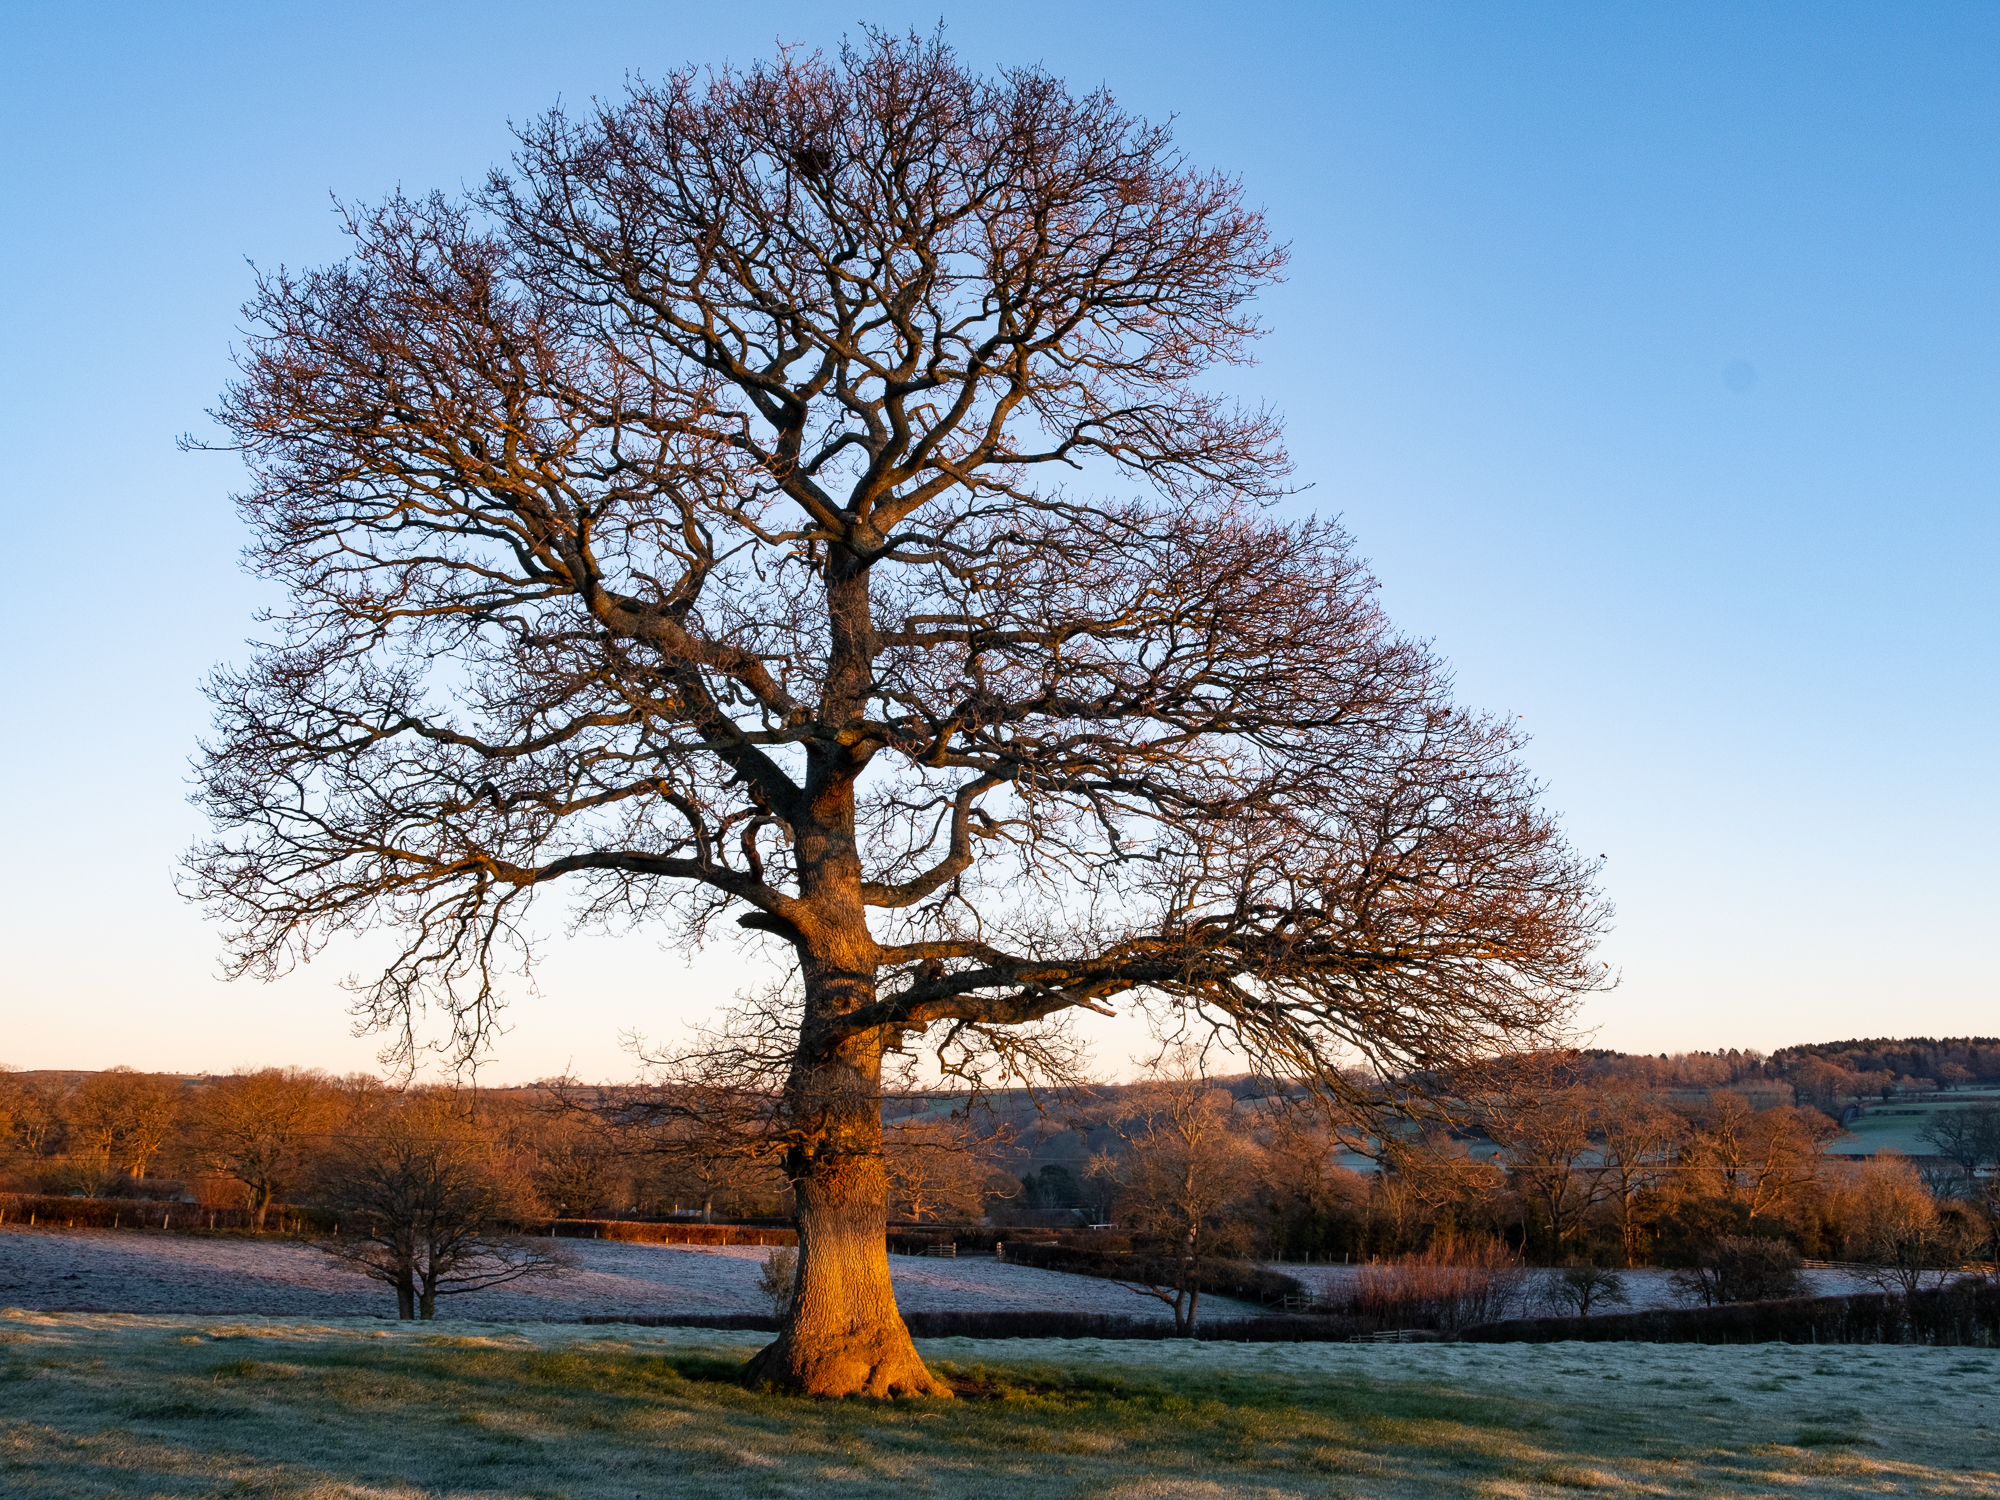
(881,1363)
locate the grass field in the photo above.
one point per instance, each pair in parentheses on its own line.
(112,1405)
(1895,1126)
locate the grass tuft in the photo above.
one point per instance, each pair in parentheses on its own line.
(1570,1477)
(1829,1437)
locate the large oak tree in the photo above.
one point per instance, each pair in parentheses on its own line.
(796,495)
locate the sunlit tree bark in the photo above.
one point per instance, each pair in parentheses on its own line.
(793,495)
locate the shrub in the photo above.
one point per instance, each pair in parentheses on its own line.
(1443,1288)
(641,1232)
(1738,1268)
(779,1279)
(175,1215)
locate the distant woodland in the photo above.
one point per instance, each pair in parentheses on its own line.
(1611,1159)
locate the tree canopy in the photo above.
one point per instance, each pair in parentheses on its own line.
(799,495)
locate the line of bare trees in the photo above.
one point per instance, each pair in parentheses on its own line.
(429,1186)
(253,1139)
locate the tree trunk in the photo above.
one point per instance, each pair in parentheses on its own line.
(406,1295)
(843,1335)
(1188,1303)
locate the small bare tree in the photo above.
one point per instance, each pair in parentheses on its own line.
(1895,1230)
(1577,1289)
(1187,1175)
(260,1126)
(1967,1136)
(939,1167)
(707,515)
(427,1203)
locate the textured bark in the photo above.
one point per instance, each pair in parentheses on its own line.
(843,1335)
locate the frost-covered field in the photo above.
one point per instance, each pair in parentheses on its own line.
(123,1406)
(133,1271)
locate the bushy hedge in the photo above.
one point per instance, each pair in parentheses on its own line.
(172,1215)
(1046,1325)
(181,1217)
(1221,1278)
(1965,1314)
(747,1322)
(650,1233)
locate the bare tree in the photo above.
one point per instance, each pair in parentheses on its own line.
(1759,1160)
(1895,1230)
(702,515)
(1822,1085)
(1637,1141)
(1967,1136)
(580,1164)
(33,1109)
(427,1203)
(1308,1195)
(122,1118)
(698,1147)
(1186,1178)
(1433,1192)
(258,1127)
(1554,1162)
(29,1115)
(940,1167)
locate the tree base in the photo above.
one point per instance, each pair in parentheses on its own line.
(879,1362)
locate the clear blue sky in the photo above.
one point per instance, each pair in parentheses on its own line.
(1649,352)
